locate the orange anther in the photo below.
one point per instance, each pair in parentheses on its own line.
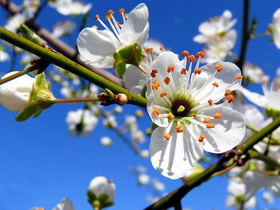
(40,208)
(194,114)
(215,84)
(155,85)
(110,12)
(156,111)
(239,77)
(166,136)
(199,55)
(149,49)
(162,94)
(153,73)
(183,71)
(227,92)
(126,15)
(121,11)
(210,102)
(96,17)
(219,67)
(206,120)
(170,69)
(197,71)
(212,125)
(217,115)
(179,128)
(230,98)
(191,58)
(118,23)
(201,138)
(167,80)
(108,17)
(170,116)
(161,48)
(185,54)
(95,26)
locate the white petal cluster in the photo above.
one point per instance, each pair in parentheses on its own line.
(132,126)
(64,204)
(14,22)
(143,179)
(189,115)
(63,28)
(81,122)
(30,7)
(218,36)
(276,28)
(110,121)
(106,141)
(253,74)
(15,94)
(71,7)
(4,56)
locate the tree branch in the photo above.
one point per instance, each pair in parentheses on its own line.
(67,64)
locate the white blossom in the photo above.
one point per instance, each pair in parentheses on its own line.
(14,22)
(276,28)
(63,28)
(143,179)
(4,56)
(110,121)
(253,74)
(106,141)
(71,7)
(267,197)
(64,204)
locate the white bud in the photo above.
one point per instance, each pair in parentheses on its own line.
(15,94)
(143,179)
(145,153)
(122,98)
(106,141)
(101,185)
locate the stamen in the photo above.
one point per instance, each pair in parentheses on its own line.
(227,92)
(108,17)
(167,80)
(184,71)
(155,85)
(96,17)
(179,128)
(101,22)
(218,67)
(206,120)
(170,69)
(199,55)
(148,49)
(215,84)
(217,115)
(201,138)
(181,109)
(229,98)
(166,136)
(191,58)
(153,73)
(194,114)
(110,12)
(170,116)
(121,11)
(212,125)
(126,15)
(156,111)
(161,48)
(239,77)
(162,94)
(197,71)
(210,102)
(185,54)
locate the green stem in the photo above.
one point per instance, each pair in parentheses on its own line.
(274,139)
(225,162)
(18,74)
(256,155)
(69,65)
(252,36)
(75,100)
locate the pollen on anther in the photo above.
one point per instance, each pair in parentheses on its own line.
(121,11)
(167,80)
(212,125)
(227,92)
(230,98)
(156,111)
(184,71)
(217,115)
(179,128)
(161,48)
(153,73)
(239,77)
(215,84)
(110,12)
(148,49)
(191,58)
(197,71)
(206,120)
(162,94)
(219,67)
(194,115)
(155,85)
(166,136)
(95,26)
(170,68)
(210,102)
(201,138)
(108,17)
(185,54)
(126,15)
(96,17)
(199,55)
(170,116)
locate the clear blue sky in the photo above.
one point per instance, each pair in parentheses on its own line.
(40,163)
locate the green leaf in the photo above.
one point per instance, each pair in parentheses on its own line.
(27,113)
(41,80)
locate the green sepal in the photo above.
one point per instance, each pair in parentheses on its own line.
(239,199)
(27,113)
(274,113)
(153,126)
(103,198)
(270,28)
(91,196)
(108,204)
(252,166)
(37,113)
(131,54)
(110,94)
(254,24)
(198,169)
(30,35)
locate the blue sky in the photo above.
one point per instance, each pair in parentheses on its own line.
(40,163)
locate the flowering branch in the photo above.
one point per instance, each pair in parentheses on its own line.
(256,155)
(69,65)
(274,139)
(226,161)
(75,100)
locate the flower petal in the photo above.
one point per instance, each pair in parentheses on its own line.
(228,132)
(136,28)
(64,204)
(174,157)
(254,97)
(134,79)
(200,38)
(94,45)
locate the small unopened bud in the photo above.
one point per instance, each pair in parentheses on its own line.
(122,99)
(139,113)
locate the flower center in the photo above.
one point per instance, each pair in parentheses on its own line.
(181,108)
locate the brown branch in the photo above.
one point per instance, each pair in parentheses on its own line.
(59,45)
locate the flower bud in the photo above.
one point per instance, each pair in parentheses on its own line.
(131,54)
(30,35)
(15,94)
(122,99)
(101,192)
